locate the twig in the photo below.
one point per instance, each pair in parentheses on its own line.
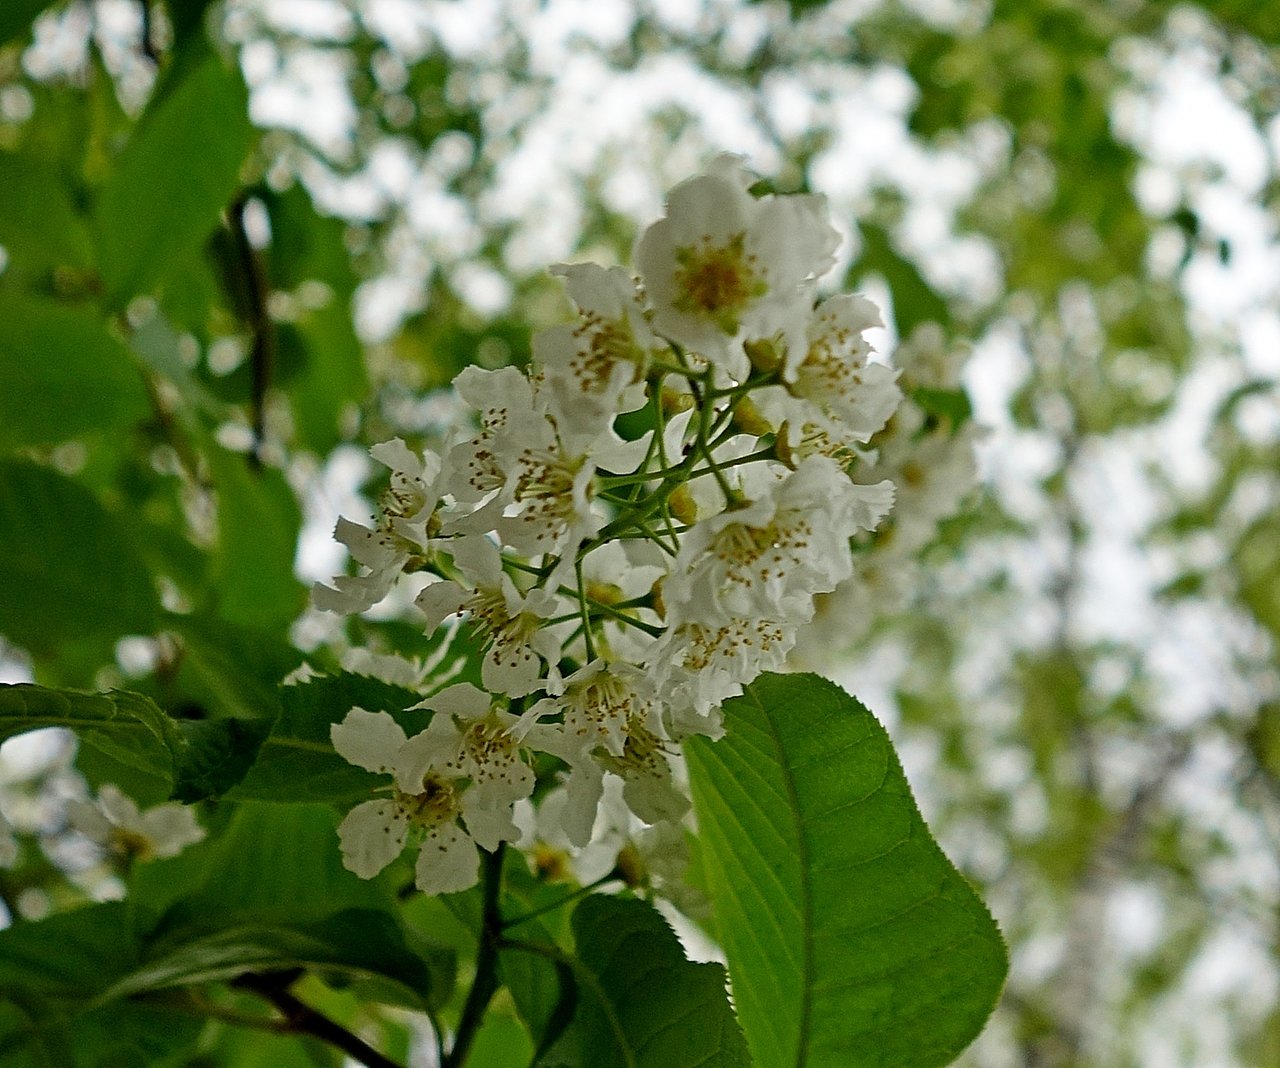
(303,1019)
(148,42)
(262,351)
(485,983)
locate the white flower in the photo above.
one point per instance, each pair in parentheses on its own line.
(401,533)
(830,385)
(117,824)
(509,412)
(647,783)
(617,844)
(594,369)
(598,702)
(470,738)
(426,802)
(510,623)
(522,477)
(933,471)
(723,267)
(622,573)
(768,558)
(697,666)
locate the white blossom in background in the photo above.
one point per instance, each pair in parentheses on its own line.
(623,580)
(932,465)
(116,824)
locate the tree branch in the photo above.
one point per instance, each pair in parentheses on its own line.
(303,1019)
(263,348)
(485,984)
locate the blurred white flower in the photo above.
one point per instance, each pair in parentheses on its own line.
(116,823)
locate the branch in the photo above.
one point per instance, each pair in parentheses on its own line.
(262,351)
(303,1019)
(485,984)
(148,41)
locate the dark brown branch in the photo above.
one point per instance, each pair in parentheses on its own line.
(303,1019)
(485,983)
(263,347)
(149,47)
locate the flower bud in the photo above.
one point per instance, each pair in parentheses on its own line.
(749,419)
(764,354)
(682,505)
(675,400)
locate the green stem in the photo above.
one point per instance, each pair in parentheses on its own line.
(560,902)
(586,615)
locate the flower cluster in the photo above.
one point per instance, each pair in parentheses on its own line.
(636,529)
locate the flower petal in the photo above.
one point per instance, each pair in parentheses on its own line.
(372,836)
(449,862)
(370,740)
(170,829)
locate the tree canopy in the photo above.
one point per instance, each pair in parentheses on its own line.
(243,241)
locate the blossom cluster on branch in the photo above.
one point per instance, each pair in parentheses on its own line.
(637,528)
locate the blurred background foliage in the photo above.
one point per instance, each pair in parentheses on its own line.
(242,240)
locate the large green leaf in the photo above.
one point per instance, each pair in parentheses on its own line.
(136,745)
(215,755)
(357,942)
(297,762)
(641,1004)
(270,882)
(61,373)
(39,220)
(308,248)
(125,726)
(174,177)
(231,670)
(68,569)
(851,939)
(56,974)
(258,523)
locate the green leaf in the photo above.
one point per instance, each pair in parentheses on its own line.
(297,762)
(501,1043)
(360,942)
(216,755)
(308,248)
(61,373)
(68,569)
(16,17)
(109,953)
(176,174)
(96,944)
(258,523)
(137,746)
(851,939)
(39,222)
(268,863)
(641,1004)
(231,670)
(951,404)
(333,375)
(124,726)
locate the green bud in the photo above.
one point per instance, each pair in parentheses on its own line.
(749,419)
(764,354)
(683,506)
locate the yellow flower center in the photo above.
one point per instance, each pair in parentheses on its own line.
(717,282)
